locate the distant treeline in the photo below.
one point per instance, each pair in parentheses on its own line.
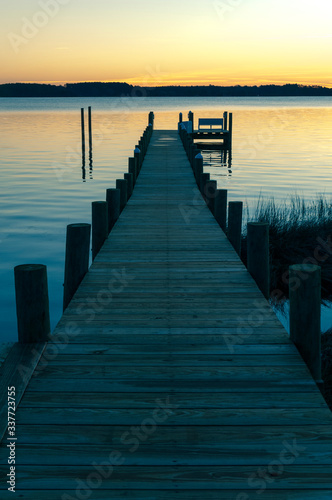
(124,89)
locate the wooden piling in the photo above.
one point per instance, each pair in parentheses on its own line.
(258,255)
(191,119)
(90,127)
(150,131)
(142,148)
(113,204)
(132,168)
(77,259)
(145,142)
(32,303)
(210,190)
(145,147)
(99,226)
(151,119)
(225,120)
(220,208)
(130,184)
(83,132)
(305,314)
(122,185)
(205,177)
(230,129)
(198,168)
(234,233)
(192,153)
(137,155)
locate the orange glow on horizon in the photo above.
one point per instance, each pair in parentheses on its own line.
(154,43)
(178,81)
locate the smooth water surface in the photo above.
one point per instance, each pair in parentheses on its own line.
(280,147)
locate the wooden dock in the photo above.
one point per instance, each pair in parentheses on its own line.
(170,376)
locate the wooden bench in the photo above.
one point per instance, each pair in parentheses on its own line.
(210,124)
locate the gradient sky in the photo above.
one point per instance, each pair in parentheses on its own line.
(161,42)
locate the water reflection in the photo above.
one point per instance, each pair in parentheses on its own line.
(90,163)
(219,158)
(84,163)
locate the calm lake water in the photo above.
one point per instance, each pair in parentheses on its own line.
(281,146)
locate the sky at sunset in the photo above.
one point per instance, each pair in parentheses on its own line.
(162,42)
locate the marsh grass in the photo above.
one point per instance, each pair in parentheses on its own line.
(297,229)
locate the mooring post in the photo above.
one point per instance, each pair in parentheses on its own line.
(225,120)
(192,154)
(305,314)
(83,132)
(122,185)
(230,131)
(99,226)
(198,167)
(137,155)
(150,130)
(113,204)
(151,118)
(220,208)
(132,169)
(210,190)
(141,146)
(234,233)
(77,259)
(191,119)
(90,128)
(258,256)
(179,123)
(32,303)
(130,184)
(145,142)
(205,177)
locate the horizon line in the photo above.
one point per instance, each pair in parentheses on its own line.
(62,84)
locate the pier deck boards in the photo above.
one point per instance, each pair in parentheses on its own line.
(170,358)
